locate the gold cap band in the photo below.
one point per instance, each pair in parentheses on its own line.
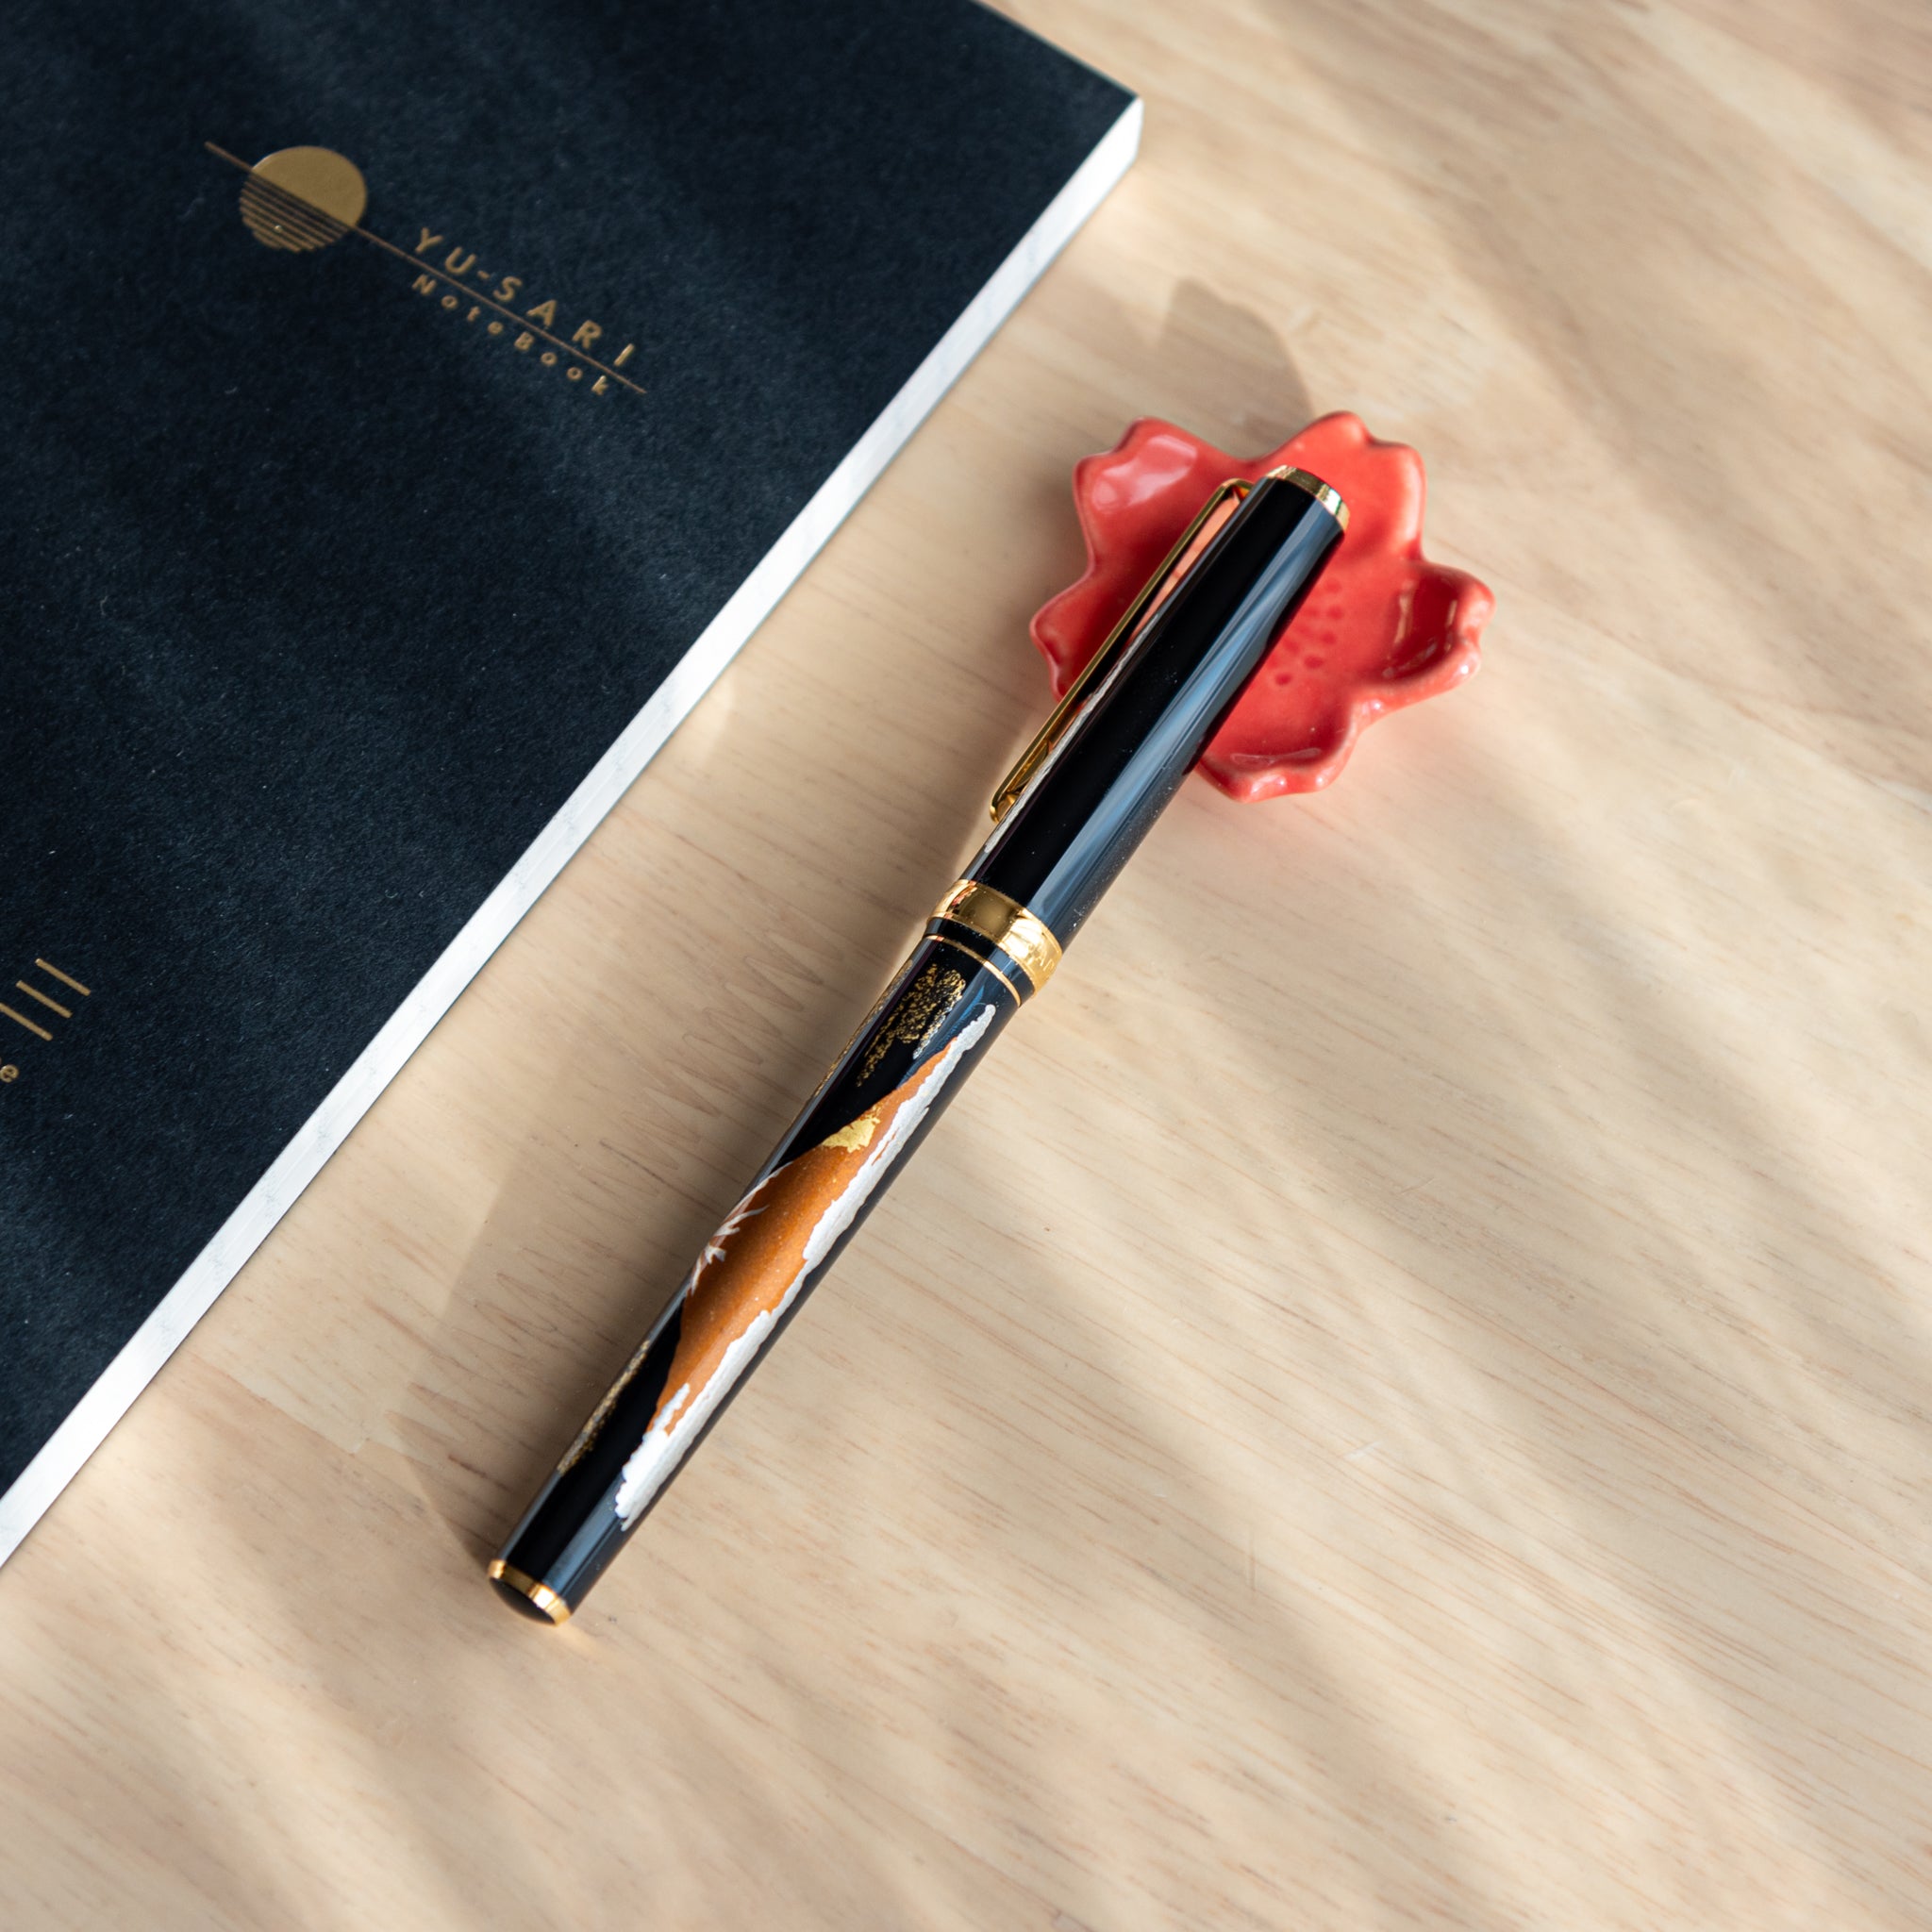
(541,1594)
(1008,924)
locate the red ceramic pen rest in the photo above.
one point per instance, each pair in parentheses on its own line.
(1384,627)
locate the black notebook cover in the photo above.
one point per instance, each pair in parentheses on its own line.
(357,556)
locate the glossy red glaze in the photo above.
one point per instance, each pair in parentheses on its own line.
(1383,628)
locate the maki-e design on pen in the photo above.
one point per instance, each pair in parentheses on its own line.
(1075,807)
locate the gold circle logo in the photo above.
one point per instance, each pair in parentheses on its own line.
(303,198)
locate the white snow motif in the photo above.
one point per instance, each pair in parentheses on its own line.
(680,1419)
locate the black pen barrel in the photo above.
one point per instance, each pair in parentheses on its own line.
(940,1012)
(994,941)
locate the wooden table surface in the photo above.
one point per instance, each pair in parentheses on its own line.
(1405,1397)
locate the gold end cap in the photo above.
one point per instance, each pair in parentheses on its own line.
(1325,493)
(545,1599)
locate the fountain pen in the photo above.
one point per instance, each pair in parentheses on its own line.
(1070,814)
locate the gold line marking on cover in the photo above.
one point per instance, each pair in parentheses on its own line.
(10,1074)
(303,198)
(541,1594)
(477,295)
(64,979)
(417,262)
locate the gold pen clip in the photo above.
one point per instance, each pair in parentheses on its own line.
(1195,539)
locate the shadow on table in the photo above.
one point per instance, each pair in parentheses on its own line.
(1464,1209)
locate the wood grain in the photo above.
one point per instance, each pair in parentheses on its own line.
(1401,1400)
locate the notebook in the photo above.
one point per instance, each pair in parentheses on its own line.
(410,410)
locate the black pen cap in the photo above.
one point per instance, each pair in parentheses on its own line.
(1208,623)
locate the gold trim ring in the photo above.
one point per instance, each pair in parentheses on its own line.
(966,952)
(1325,493)
(1008,924)
(541,1594)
